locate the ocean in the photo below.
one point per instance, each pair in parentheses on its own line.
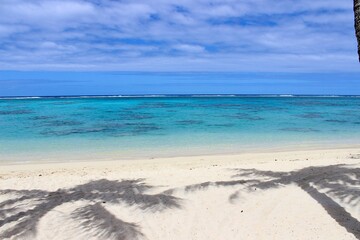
(126,127)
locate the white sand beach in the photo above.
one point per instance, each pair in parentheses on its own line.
(311,194)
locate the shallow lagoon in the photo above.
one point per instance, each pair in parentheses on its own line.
(132,127)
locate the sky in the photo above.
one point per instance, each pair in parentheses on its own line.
(67,47)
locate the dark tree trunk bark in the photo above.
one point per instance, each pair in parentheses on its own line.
(357,23)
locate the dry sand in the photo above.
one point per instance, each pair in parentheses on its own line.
(281,195)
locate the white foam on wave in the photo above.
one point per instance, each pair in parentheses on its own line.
(286,95)
(19,98)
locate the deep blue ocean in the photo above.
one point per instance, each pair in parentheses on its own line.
(145,127)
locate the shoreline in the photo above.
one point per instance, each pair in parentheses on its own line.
(237,158)
(114,156)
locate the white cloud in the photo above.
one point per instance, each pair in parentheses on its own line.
(43,12)
(189,48)
(232,35)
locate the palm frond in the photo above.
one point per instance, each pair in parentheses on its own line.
(357,23)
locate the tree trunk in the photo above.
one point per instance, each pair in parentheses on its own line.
(357,23)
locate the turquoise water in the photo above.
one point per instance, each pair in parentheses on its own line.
(131,127)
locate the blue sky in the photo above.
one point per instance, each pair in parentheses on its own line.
(167,46)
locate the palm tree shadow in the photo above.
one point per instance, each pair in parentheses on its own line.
(21,215)
(206,185)
(323,184)
(95,216)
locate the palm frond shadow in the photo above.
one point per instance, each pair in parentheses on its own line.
(324,184)
(95,216)
(21,215)
(206,185)
(321,183)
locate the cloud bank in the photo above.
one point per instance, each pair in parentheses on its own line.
(186,35)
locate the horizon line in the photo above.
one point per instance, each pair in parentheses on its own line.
(176,95)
